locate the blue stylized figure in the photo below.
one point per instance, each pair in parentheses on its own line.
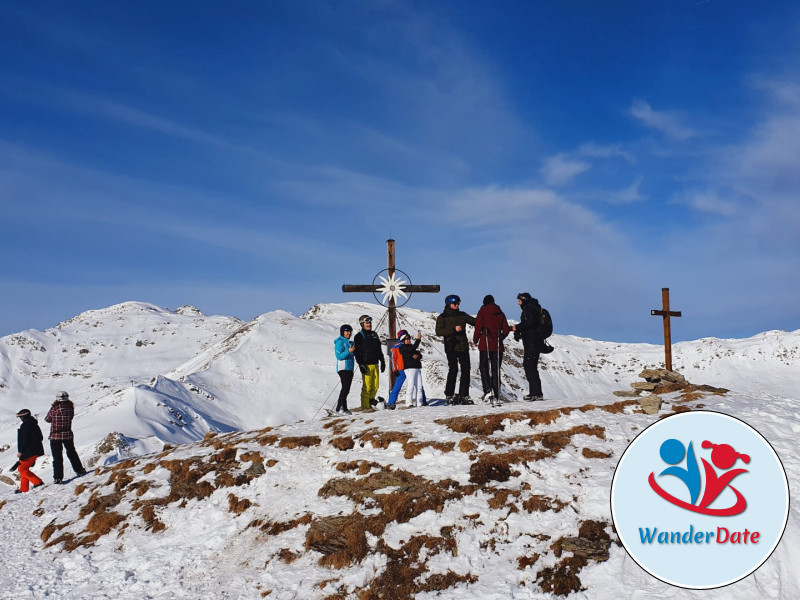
(672,452)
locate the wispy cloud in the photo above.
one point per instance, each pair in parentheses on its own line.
(593,150)
(560,169)
(667,122)
(708,201)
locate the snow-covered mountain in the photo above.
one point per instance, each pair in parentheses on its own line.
(143,376)
(268,499)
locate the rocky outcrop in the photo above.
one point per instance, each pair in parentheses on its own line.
(662,381)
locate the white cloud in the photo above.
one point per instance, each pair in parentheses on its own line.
(594,150)
(709,201)
(560,169)
(667,122)
(627,195)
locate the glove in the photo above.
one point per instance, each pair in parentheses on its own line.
(383,367)
(517,336)
(14,468)
(363,369)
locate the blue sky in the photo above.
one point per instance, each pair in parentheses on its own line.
(251,156)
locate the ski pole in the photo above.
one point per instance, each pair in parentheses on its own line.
(324,402)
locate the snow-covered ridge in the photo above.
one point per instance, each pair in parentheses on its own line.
(147,376)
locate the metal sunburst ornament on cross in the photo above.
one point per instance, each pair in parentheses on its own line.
(392,287)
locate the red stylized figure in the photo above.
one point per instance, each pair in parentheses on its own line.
(724,457)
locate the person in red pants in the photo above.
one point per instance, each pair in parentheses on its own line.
(29,444)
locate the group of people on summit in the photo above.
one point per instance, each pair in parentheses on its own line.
(30,447)
(490,329)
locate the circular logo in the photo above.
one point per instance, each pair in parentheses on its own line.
(700,500)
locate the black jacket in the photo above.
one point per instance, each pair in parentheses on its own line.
(530,323)
(368,348)
(409,351)
(29,438)
(446,324)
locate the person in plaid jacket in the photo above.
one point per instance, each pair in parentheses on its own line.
(61,436)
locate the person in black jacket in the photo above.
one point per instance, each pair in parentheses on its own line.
(29,446)
(412,366)
(452,325)
(369,354)
(529,331)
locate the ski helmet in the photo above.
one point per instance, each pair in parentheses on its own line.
(452,299)
(524,296)
(364,319)
(401,334)
(24,413)
(344,328)
(62,396)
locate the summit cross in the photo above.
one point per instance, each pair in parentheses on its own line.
(391,288)
(666,313)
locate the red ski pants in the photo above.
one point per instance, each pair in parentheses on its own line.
(27,476)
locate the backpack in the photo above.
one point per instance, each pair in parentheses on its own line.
(397,358)
(546,328)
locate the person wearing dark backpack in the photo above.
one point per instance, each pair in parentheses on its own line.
(491,328)
(529,330)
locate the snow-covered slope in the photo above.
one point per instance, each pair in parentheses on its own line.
(142,376)
(269,501)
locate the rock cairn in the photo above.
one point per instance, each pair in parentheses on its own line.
(662,381)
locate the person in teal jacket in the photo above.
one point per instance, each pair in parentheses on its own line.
(345,365)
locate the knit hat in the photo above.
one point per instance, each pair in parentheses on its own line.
(488,299)
(24,413)
(62,396)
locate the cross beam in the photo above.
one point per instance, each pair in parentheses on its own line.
(392,307)
(666,313)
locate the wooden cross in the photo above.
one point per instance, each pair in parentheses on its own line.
(392,307)
(666,313)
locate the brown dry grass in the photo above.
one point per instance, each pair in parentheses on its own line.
(562,579)
(288,557)
(300,441)
(103,522)
(411,448)
(537,503)
(589,453)
(343,443)
(466,445)
(591,543)
(405,573)
(383,439)
(500,497)
(238,505)
(493,467)
(523,562)
(268,439)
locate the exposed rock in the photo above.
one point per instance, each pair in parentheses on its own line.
(658,375)
(651,404)
(627,393)
(645,386)
(594,549)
